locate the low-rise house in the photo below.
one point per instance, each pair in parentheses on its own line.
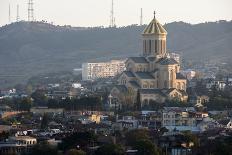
(176,118)
(175,145)
(17,145)
(43,110)
(218,84)
(128,122)
(150,119)
(225,123)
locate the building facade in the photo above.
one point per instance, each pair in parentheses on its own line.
(155,76)
(93,71)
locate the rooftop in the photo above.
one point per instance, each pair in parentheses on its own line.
(180,76)
(138,59)
(167,61)
(144,75)
(129,73)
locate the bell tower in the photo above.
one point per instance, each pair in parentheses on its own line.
(154,39)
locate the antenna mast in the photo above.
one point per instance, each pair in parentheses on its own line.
(112,18)
(9,18)
(141,17)
(30,11)
(17,17)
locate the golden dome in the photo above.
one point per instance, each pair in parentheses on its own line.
(154,28)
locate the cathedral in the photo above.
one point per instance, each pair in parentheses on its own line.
(154,76)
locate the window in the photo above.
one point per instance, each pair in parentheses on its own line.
(145,46)
(161,43)
(156,49)
(165,84)
(144,51)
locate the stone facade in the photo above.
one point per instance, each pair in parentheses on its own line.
(155,76)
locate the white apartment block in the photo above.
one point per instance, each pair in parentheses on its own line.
(93,71)
(179,118)
(175,56)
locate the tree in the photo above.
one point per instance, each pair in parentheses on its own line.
(191,138)
(138,101)
(83,139)
(146,147)
(110,149)
(39,97)
(45,121)
(135,135)
(25,104)
(75,152)
(43,149)
(4,135)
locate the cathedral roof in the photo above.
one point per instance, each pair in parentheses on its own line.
(139,59)
(151,58)
(184,93)
(121,88)
(168,91)
(154,28)
(180,76)
(134,84)
(151,91)
(167,61)
(144,75)
(129,73)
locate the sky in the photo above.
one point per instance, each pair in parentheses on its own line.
(90,13)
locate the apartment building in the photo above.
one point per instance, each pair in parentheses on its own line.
(93,71)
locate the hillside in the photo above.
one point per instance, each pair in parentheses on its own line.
(29,49)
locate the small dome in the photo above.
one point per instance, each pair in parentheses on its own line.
(154,28)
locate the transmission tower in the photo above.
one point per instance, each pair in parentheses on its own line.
(30,11)
(9,17)
(141,17)
(17,16)
(112,18)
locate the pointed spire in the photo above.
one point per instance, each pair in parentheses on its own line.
(154,14)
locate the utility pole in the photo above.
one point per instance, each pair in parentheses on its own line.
(30,11)
(17,17)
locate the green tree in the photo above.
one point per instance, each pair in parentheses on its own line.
(82,139)
(135,135)
(44,149)
(39,97)
(110,149)
(146,147)
(138,101)
(75,152)
(44,122)
(25,104)
(191,138)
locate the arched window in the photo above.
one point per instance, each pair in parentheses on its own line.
(178,85)
(172,75)
(156,46)
(145,103)
(140,68)
(123,80)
